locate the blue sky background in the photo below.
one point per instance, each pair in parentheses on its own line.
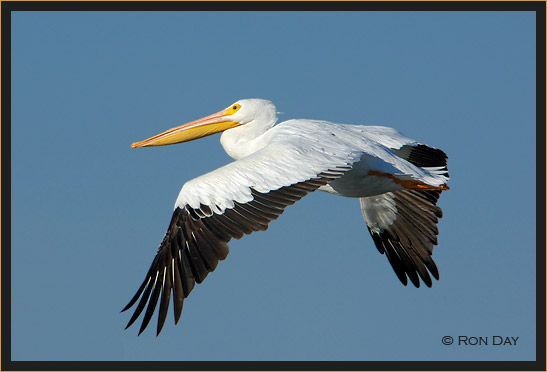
(88,212)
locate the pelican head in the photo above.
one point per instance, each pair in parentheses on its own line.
(242,112)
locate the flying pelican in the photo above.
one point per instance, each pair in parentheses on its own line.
(396,179)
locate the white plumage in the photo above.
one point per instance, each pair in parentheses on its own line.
(397,180)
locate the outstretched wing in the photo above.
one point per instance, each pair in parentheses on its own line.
(403,224)
(237,199)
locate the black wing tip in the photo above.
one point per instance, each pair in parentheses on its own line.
(130,323)
(427,280)
(405,268)
(409,240)
(197,239)
(428,283)
(187,253)
(428,154)
(417,283)
(423,155)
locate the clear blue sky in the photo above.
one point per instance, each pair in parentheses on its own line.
(88,212)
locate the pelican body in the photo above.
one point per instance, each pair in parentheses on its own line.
(396,179)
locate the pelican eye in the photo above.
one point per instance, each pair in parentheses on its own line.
(233,109)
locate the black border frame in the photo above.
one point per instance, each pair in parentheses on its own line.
(8,6)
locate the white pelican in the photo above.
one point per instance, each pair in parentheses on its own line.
(396,179)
